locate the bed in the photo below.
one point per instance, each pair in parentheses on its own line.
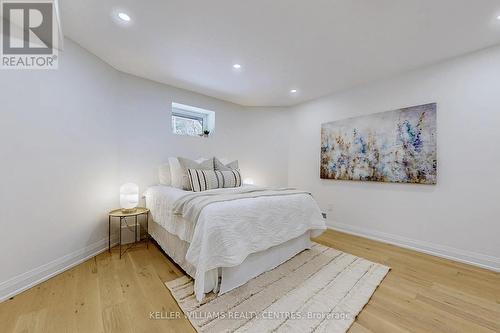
(223,238)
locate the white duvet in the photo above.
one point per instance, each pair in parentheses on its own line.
(227,232)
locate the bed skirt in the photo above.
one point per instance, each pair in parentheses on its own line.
(230,277)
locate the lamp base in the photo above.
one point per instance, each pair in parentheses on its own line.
(128,210)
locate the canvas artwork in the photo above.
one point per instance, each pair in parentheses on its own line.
(395,146)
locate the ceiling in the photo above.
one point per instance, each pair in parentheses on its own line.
(316,46)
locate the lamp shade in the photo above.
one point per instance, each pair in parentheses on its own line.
(129,196)
(248,181)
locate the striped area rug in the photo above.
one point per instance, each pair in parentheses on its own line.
(318,290)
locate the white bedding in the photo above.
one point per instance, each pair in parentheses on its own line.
(227,232)
(159,199)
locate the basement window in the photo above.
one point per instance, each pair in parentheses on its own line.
(192,121)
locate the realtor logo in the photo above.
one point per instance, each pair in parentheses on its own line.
(28,35)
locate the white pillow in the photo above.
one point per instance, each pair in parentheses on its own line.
(164,174)
(177,173)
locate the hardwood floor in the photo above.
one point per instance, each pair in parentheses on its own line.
(423,293)
(105,294)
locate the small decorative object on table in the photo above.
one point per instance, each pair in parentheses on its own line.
(118,213)
(248,181)
(129,197)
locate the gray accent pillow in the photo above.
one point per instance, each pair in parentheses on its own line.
(186,164)
(218,165)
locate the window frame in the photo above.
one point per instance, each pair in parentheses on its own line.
(205,117)
(201,119)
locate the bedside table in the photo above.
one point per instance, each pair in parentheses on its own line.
(117,213)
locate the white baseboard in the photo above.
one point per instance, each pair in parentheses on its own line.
(24,281)
(463,256)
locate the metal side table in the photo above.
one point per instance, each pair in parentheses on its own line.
(118,213)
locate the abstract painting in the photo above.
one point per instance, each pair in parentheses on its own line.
(396,146)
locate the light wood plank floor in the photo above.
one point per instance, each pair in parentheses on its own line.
(105,294)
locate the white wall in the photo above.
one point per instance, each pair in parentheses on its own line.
(256,137)
(456,218)
(58,165)
(71,136)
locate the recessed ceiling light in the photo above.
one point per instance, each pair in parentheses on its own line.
(293,91)
(237,66)
(498,17)
(124,17)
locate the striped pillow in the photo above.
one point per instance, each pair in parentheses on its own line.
(202,180)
